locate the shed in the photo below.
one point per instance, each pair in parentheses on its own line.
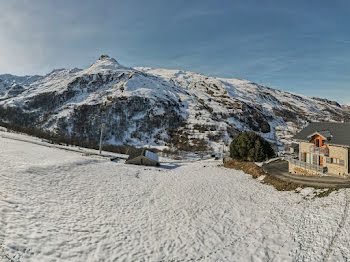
(143,157)
(292,148)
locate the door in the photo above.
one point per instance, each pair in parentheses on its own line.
(321,160)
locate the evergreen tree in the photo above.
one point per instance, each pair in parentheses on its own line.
(250,146)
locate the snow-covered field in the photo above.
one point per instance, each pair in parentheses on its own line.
(57,205)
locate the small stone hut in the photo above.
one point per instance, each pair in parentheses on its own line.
(143,157)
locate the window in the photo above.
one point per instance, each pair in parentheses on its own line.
(317,143)
(323,142)
(307,157)
(313,159)
(336,161)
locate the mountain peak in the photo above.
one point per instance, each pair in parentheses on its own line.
(107,57)
(105,63)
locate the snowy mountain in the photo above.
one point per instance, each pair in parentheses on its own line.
(157,107)
(346,108)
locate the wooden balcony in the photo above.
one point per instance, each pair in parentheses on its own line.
(319,150)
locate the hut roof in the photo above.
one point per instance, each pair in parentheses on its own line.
(145,153)
(136,153)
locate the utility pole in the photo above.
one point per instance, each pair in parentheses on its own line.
(223,150)
(103,119)
(101,136)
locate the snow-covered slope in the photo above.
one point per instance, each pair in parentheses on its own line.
(158,107)
(57,205)
(346,108)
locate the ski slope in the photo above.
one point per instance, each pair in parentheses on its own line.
(57,205)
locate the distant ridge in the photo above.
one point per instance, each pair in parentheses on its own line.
(171,109)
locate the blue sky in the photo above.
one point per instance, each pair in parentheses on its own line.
(298,46)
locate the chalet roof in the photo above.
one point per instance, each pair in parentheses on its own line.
(324,133)
(335,133)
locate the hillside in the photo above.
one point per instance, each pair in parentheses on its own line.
(58,205)
(157,107)
(346,108)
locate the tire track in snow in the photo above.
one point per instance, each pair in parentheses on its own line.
(306,204)
(150,217)
(242,237)
(302,220)
(8,191)
(231,244)
(271,259)
(341,225)
(8,207)
(234,241)
(169,189)
(3,254)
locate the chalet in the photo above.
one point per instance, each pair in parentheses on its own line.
(143,157)
(324,148)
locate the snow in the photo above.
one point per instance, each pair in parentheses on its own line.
(57,205)
(220,103)
(104,64)
(42,142)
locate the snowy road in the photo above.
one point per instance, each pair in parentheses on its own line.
(57,205)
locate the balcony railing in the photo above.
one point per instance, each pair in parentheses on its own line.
(319,150)
(308,166)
